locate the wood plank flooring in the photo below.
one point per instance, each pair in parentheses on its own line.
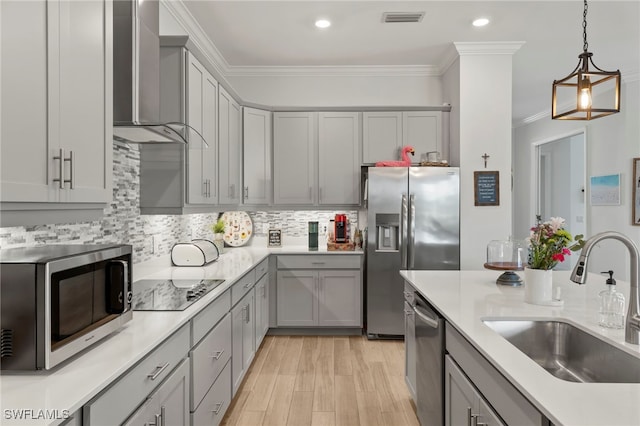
(324,381)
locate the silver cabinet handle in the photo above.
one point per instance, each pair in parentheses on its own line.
(248,285)
(469,417)
(217,355)
(248,313)
(60,178)
(71,180)
(158,421)
(159,369)
(163,416)
(319,194)
(246,192)
(317,263)
(219,406)
(430,321)
(310,193)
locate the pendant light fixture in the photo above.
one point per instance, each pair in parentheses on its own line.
(577,92)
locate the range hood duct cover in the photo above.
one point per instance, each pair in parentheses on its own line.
(136,75)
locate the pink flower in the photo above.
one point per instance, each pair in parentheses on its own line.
(566,251)
(559,257)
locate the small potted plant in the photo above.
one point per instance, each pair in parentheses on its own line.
(218,232)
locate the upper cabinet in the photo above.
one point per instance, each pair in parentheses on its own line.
(339,158)
(294,158)
(256,156)
(385,133)
(229,148)
(189,94)
(56,104)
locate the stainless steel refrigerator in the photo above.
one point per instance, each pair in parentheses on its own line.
(413,222)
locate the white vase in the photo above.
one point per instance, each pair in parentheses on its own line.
(218,240)
(538,286)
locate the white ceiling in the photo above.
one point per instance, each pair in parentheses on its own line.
(281,34)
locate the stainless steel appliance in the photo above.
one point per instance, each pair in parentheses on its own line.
(341,230)
(58,300)
(413,223)
(169,295)
(429,347)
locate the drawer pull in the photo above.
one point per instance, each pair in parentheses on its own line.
(218,354)
(159,369)
(219,406)
(318,263)
(247,285)
(158,421)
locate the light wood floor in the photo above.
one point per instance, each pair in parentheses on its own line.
(324,381)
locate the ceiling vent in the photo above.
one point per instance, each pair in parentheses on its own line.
(402,17)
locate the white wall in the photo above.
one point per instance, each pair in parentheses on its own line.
(338,90)
(611,144)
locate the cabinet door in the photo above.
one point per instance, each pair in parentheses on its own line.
(256,156)
(262,309)
(486,416)
(237,326)
(196,81)
(339,298)
(381,136)
(297,303)
(27,166)
(82,99)
(339,158)
(210,134)
(423,131)
(248,331)
(168,404)
(229,148)
(410,349)
(461,399)
(294,158)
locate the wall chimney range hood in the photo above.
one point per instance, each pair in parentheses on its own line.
(136,76)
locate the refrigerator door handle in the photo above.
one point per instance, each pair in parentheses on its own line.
(412,231)
(404,226)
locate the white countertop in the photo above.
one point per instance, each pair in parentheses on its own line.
(465,298)
(72,384)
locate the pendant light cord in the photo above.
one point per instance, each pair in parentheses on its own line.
(584,27)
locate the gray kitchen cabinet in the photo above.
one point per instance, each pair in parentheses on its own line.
(188,94)
(381,136)
(423,131)
(56,89)
(256,156)
(317,292)
(297,300)
(229,148)
(243,339)
(294,158)
(215,404)
(262,308)
(463,403)
(168,404)
(473,387)
(338,158)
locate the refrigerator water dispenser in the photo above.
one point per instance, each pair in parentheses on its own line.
(387,226)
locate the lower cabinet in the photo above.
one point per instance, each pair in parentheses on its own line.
(464,405)
(319,298)
(168,404)
(216,402)
(262,308)
(242,338)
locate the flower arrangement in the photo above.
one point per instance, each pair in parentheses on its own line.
(549,243)
(218,227)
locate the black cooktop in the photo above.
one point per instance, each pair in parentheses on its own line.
(169,295)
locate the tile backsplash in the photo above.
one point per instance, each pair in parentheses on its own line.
(152,235)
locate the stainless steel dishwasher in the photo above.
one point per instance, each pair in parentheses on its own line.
(429,330)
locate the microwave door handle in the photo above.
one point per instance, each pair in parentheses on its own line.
(124,297)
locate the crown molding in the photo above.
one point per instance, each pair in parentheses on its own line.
(342,71)
(488,48)
(450,57)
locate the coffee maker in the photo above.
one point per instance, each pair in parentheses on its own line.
(341,229)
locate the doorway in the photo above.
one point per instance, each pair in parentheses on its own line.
(561,184)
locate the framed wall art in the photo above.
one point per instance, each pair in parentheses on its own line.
(486,188)
(605,190)
(635,210)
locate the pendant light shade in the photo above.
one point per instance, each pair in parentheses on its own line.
(588,92)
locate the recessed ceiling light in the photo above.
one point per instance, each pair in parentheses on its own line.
(480,22)
(323,23)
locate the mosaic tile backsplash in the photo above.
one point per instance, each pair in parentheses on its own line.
(154,235)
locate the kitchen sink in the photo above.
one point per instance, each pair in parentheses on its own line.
(568,352)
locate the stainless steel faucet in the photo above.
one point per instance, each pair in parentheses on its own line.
(579,275)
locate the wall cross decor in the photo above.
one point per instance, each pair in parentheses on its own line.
(485,157)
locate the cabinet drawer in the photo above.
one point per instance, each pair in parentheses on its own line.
(409,295)
(216,402)
(115,404)
(208,359)
(331,261)
(242,287)
(209,316)
(262,268)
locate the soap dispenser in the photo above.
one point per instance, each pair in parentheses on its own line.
(611,305)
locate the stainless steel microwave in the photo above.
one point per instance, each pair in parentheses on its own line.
(57,300)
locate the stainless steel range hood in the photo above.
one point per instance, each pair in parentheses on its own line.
(136,76)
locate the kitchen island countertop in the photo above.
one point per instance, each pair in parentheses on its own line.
(48,397)
(465,298)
